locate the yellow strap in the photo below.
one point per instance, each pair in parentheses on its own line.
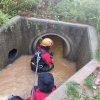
(33,63)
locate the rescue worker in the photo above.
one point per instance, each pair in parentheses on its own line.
(44,88)
(45,63)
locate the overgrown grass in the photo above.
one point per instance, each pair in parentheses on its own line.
(73,92)
(89,82)
(97,96)
(80,11)
(71,88)
(3,18)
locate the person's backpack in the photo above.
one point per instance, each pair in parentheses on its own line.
(45,82)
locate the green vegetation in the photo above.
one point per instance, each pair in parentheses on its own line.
(3,18)
(71,87)
(76,11)
(38,31)
(97,96)
(89,82)
(74,92)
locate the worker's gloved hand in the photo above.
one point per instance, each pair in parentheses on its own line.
(51,54)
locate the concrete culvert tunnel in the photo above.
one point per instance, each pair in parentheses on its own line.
(66,43)
(73,48)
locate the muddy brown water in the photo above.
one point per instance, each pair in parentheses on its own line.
(18,78)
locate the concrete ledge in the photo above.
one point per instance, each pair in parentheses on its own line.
(60,93)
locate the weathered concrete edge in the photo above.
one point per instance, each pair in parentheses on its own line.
(10,22)
(92,40)
(60,93)
(56,22)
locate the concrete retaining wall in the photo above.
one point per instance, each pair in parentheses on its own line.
(74,33)
(21,32)
(10,38)
(88,47)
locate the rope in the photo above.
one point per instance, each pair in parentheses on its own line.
(38,58)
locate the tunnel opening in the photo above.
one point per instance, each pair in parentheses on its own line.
(12,54)
(66,43)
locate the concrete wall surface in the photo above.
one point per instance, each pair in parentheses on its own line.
(20,33)
(88,47)
(74,33)
(10,38)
